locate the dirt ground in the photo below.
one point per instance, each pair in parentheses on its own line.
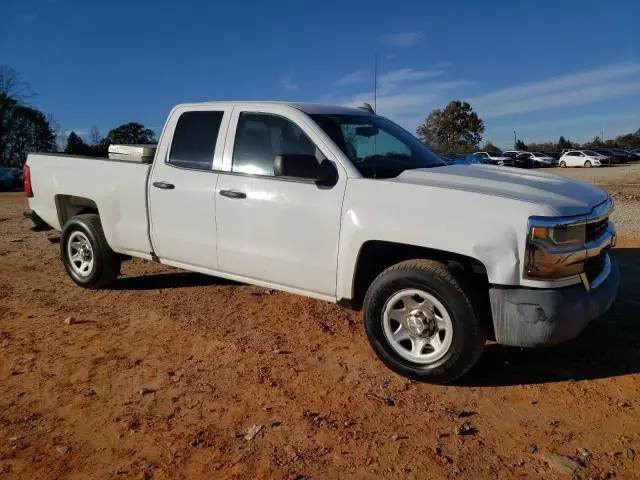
(171,374)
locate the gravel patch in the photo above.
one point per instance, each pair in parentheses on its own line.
(623,183)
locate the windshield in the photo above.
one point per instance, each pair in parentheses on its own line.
(591,153)
(540,154)
(377,147)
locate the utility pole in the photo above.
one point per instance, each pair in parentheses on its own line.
(515,140)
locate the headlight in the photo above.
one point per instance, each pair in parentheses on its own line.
(559,247)
(555,251)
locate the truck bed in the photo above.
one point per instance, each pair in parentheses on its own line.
(118,188)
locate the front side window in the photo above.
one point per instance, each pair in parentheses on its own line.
(377,147)
(194,140)
(260,137)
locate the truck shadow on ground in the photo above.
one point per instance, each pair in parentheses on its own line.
(609,346)
(169,280)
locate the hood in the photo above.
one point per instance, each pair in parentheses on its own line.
(565,195)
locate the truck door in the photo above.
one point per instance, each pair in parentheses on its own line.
(182,186)
(273,229)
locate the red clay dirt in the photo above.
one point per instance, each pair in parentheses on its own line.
(163,376)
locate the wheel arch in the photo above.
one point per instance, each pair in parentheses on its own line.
(375,256)
(68,206)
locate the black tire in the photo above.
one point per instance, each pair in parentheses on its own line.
(106,263)
(436,279)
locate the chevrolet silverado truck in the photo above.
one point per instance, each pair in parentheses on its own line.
(345,206)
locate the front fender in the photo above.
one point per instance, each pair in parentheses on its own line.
(494,245)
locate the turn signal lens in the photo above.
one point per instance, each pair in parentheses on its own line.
(26,172)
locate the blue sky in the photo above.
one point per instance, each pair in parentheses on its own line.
(542,68)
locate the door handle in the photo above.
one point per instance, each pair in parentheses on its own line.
(233,194)
(164,185)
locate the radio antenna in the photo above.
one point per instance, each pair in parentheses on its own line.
(375,82)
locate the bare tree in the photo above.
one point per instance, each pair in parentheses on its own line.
(94,135)
(13,86)
(55,129)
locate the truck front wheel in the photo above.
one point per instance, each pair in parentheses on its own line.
(421,323)
(85,253)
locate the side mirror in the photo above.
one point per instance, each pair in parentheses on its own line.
(305,167)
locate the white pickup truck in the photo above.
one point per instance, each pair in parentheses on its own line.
(345,206)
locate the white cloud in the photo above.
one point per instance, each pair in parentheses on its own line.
(595,120)
(392,79)
(562,91)
(406,95)
(395,104)
(404,39)
(359,76)
(287,83)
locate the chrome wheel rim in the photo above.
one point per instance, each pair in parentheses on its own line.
(80,254)
(417,326)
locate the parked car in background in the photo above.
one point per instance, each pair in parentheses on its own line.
(635,155)
(10,178)
(512,153)
(583,158)
(623,155)
(495,158)
(523,160)
(535,160)
(613,156)
(543,160)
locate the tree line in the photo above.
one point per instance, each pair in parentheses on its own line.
(458,129)
(129,133)
(25,129)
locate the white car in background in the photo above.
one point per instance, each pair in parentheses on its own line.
(583,158)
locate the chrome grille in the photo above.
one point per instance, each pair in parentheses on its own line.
(596,229)
(594,265)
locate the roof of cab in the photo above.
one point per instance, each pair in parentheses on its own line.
(308,108)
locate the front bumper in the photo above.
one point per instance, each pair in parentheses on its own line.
(527,317)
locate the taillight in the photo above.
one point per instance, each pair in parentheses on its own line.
(26,172)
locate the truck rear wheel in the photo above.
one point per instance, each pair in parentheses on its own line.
(86,256)
(421,323)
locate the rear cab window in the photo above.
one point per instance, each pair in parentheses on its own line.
(194,139)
